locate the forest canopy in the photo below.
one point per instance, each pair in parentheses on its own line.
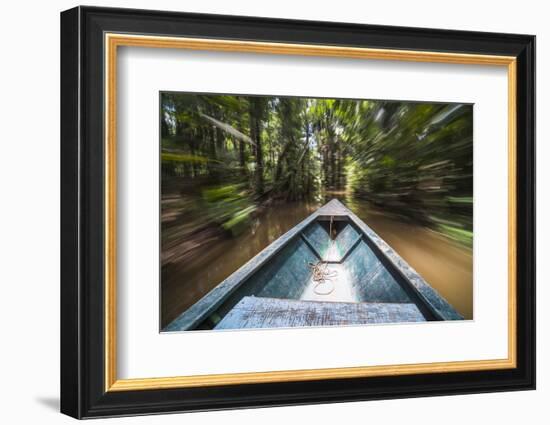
(231,155)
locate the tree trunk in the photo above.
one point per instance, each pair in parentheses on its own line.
(241,157)
(339,169)
(279,168)
(332,163)
(212,164)
(304,171)
(255,134)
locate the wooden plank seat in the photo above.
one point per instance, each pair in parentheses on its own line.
(256,312)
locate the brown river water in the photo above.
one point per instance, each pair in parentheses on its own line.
(446,266)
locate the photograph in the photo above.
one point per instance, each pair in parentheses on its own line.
(286,212)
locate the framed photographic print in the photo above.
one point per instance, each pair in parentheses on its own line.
(262,212)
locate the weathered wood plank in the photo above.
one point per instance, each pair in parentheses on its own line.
(255,312)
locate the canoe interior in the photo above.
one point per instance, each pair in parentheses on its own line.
(357,279)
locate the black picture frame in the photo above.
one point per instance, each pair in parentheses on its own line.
(83,392)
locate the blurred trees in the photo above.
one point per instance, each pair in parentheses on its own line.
(414,160)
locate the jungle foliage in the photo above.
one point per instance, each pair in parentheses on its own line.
(236,153)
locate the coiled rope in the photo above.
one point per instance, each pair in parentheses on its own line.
(322,277)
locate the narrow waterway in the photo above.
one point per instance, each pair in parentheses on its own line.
(444,264)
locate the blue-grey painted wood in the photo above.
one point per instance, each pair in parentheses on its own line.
(318,238)
(372,281)
(254,313)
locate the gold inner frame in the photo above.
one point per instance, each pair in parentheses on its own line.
(113,41)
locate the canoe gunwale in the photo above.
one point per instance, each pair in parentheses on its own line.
(333,210)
